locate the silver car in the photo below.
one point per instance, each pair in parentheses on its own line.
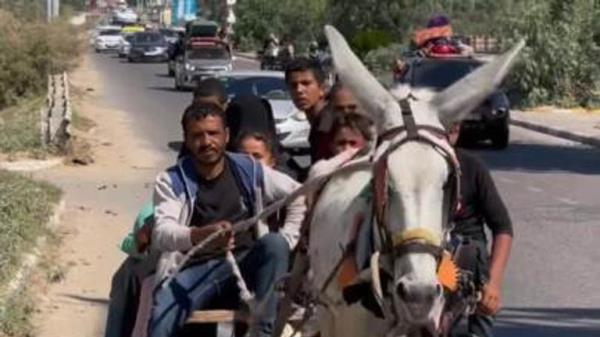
(291,124)
(199,63)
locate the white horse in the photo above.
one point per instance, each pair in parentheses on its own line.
(417,207)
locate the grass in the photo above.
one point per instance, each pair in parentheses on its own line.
(25,207)
(15,316)
(20,127)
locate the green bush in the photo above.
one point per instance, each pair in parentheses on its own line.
(365,41)
(380,60)
(29,51)
(19,126)
(559,64)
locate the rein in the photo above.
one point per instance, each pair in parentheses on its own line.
(417,240)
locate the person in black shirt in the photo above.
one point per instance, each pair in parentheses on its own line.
(305,80)
(481,206)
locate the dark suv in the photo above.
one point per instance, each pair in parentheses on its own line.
(488,121)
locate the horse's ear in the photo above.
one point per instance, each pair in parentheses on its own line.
(372,96)
(454,103)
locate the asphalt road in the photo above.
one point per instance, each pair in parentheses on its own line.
(550,186)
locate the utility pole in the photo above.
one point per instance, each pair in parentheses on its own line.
(48,10)
(52,9)
(56,8)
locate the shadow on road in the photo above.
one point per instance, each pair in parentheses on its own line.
(545,322)
(164,88)
(91,300)
(542,158)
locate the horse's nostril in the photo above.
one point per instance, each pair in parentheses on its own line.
(402,291)
(415,293)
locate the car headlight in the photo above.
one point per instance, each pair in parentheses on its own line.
(299,116)
(160,49)
(189,67)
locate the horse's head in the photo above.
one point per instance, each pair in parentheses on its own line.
(416,167)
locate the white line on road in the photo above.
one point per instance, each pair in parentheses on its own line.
(506,180)
(535,189)
(568,201)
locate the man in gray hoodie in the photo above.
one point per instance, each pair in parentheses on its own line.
(206,191)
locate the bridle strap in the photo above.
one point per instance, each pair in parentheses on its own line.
(420,234)
(436,137)
(418,247)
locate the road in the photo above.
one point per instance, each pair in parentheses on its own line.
(550,186)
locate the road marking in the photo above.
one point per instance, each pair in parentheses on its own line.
(506,180)
(535,189)
(568,201)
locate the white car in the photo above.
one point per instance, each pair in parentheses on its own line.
(291,124)
(125,45)
(125,16)
(108,40)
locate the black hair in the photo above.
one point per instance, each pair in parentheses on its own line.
(301,64)
(260,136)
(354,121)
(211,87)
(337,86)
(201,110)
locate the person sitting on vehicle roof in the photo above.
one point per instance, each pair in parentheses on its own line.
(437,39)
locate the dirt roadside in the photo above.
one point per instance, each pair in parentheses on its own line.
(103,199)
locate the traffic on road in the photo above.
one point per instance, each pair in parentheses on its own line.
(454,273)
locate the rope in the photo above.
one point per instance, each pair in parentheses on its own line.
(245,294)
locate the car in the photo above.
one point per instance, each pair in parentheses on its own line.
(125,46)
(108,40)
(201,28)
(201,58)
(124,16)
(291,124)
(489,121)
(170,34)
(148,46)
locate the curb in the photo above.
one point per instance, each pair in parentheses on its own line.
(30,165)
(30,260)
(553,131)
(247,57)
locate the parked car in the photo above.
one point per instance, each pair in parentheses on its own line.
(108,40)
(291,124)
(201,58)
(148,46)
(125,46)
(488,121)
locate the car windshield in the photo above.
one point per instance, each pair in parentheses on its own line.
(207,30)
(168,33)
(439,74)
(148,38)
(110,32)
(208,53)
(263,86)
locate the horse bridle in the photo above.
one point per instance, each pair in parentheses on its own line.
(418,240)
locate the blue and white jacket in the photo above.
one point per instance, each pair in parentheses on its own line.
(175,195)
